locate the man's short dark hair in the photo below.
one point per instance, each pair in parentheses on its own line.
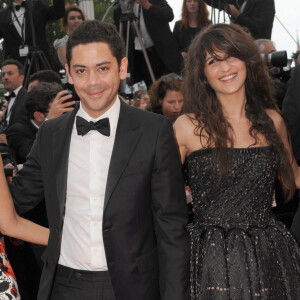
(94,31)
(40,96)
(45,76)
(16,63)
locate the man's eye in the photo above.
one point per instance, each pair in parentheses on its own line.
(80,71)
(103,69)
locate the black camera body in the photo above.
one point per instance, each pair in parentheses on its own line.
(276,59)
(8,159)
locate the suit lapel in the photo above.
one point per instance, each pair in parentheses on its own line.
(20,97)
(127,136)
(61,140)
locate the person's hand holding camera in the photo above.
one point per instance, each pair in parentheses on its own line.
(144,3)
(61,104)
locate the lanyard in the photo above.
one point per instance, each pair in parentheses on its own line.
(22,26)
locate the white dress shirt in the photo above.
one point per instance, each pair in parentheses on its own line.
(138,11)
(82,242)
(18,20)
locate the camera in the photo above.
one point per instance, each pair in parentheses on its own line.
(279,65)
(127,6)
(276,59)
(8,163)
(69,92)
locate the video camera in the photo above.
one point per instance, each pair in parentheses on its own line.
(276,59)
(279,65)
(127,6)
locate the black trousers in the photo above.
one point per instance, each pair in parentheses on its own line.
(79,284)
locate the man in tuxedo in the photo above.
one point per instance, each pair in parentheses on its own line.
(15,27)
(111,177)
(256,15)
(153,19)
(12,73)
(21,135)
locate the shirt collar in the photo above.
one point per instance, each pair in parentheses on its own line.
(16,91)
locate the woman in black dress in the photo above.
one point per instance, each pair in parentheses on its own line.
(235,144)
(194,17)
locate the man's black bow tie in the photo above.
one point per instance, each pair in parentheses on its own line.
(18,6)
(11,95)
(83,126)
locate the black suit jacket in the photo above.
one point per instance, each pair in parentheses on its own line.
(258,16)
(20,137)
(18,110)
(157,20)
(145,210)
(41,13)
(291,113)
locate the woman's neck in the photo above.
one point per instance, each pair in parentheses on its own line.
(233,107)
(193,20)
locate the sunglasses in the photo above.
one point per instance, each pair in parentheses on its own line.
(168,78)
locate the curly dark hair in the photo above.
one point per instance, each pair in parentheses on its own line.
(158,90)
(201,101)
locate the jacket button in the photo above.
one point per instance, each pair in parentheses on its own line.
(107,229)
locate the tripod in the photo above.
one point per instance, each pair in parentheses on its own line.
(129,17)
(35,59)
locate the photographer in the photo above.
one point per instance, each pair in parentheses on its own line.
(153,19)
(256,15)
(15,27)
(275,60)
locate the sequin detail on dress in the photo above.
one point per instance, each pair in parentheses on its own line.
(238,249)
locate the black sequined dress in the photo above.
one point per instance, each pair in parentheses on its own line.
(238,249)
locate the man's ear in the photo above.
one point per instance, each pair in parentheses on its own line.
(123,68)
(39,117)
(70,79)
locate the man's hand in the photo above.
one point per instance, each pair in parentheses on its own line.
(3,139)
(57,107)
(144,3)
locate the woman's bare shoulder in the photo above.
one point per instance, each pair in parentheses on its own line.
(276,118)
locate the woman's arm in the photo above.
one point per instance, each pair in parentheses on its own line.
(12,224)
(181,127)
(61,53)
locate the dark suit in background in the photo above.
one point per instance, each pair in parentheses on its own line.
(20,137)
(291,113)
(18,110)
(41,13)
(257,16)
(145,212)
(166,57)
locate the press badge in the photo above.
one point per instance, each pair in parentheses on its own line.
(23,50)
